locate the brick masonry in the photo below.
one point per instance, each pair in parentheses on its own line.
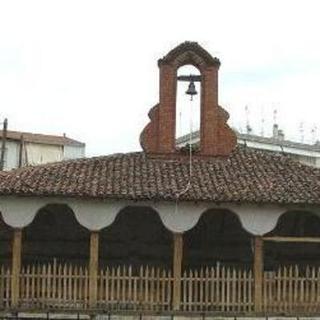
(216,137)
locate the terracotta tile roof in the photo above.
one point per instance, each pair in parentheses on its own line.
(41,138)
(245,176)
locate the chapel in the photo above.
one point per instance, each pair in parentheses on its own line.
(214,228)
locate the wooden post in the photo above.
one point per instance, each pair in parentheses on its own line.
(258,273)
(93,268)
(16,266)
(177,269)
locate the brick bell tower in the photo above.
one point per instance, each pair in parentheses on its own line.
(216,137)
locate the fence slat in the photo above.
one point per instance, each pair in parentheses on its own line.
(292,289)
(289,289)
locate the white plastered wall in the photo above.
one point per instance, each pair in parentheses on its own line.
(180,217)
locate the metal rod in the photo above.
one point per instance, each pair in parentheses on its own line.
(21,151)
(191,77)
(3,146)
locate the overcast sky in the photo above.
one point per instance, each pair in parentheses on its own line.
(89,68)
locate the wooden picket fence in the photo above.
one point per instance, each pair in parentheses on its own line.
(54,286)
(5,287)
(288,290)
(120,288)
(292,290)
(217,289)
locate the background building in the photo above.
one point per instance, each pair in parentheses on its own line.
(305,153)
(25,148)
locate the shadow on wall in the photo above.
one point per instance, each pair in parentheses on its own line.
(55,234)
(6,234)
(137,237)
(218,238)
(294,224)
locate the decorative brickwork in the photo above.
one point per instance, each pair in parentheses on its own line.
(216,137)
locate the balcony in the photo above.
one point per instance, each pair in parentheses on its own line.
(137,266)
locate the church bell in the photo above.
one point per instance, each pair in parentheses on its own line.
(191,89)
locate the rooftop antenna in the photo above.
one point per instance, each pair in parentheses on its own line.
(314,132)
(248,127)
(301,129)
(275,116)
(262,122)
(275,127)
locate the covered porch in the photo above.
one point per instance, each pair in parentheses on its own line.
(131,257)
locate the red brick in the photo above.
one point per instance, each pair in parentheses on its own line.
(216,137)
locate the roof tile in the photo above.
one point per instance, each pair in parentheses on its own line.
(246,175)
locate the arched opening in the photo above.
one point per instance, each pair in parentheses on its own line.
(293,224)
(136,238)
(6,233)
(55,234)
(218,238)
(187,109)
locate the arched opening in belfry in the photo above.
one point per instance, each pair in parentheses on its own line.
(218,239)
(55,235)
(297,225)
(136,238)
(187,105)
(6,234)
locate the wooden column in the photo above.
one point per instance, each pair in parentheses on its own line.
(93,268)
(258,273)
(177,269)
(16,266)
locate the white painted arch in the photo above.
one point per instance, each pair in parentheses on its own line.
(19,212)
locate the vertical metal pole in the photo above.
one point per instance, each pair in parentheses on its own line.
(3,144)
(21,151)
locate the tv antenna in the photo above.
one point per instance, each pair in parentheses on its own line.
(314,132)
(248,127)
(262,122)
(301,129)
(275,116)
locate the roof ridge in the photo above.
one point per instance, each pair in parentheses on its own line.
(46,138)
(67,161)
